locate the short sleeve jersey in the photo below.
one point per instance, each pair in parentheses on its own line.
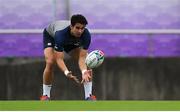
(64,41)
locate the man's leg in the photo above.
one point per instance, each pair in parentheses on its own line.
(48,71)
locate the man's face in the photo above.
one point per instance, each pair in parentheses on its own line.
(77,29)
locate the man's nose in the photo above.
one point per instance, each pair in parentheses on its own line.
(80,31)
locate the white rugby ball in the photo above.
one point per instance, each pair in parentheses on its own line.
(94,59)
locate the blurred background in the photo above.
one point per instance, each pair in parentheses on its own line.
(140,39)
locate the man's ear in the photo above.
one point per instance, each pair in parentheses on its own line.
(71,26)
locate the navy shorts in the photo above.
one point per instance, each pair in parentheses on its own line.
(48,40)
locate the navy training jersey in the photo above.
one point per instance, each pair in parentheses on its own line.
(64,41)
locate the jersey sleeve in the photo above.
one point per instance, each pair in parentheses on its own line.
(86,40)
(59,42)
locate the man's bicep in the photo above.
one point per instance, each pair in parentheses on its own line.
(83,52)
(59,55)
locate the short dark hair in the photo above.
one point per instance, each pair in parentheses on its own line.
(78,18)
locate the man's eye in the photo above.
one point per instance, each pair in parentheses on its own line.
(77,27)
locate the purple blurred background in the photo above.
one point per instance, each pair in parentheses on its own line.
(101,14)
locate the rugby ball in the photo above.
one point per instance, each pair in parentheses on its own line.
(94,59)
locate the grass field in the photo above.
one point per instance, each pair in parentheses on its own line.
(90,106)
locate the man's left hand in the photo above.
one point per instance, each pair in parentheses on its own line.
(86,76)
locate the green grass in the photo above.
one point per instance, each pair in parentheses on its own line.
(90,106)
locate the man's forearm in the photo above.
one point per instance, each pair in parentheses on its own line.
(82,64)
(82,57)
(61,64)
(60,61)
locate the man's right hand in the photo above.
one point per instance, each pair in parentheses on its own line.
(71,76)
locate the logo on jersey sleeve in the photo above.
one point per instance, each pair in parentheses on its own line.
(55,47)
